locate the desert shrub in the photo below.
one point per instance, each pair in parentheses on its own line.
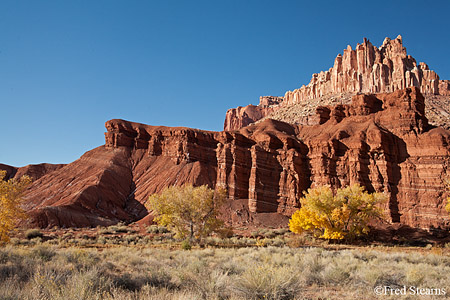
(107,230)
(208,284)
(415,275)
(128,281)
(33,233)
(212,273)
(345,214)
(155,229)
(101,240)
(43,253)
(79,258)
(121,228)
(335,274)
(277,241)
(186,245)
(281,231)
(131,238)
(312,266)
(270,234)
(255,234)
(268,282)
(15,241)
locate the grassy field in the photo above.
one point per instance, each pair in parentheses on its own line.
(96,268)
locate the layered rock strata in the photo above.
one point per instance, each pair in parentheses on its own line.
(365,69)
(381,141)
(242,116)
(368,69)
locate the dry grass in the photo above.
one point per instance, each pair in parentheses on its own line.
(46,271)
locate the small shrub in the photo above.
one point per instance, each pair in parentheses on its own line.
(268,282)
(122,229)
(169,236)
(335,274)
(281,231)
(101,240)
(106,230)
(128,282)
(35,241)
(278,242)
(415,275)
(33,233)
(67,236)
(14,241)
(43,253)
(153,229)
(186,245)
(225,232)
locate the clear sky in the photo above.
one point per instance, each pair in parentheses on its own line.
(66,67)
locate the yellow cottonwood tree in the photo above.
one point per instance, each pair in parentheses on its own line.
(447,207)
(191,212)
(10,201)
(345,214)
(446,181)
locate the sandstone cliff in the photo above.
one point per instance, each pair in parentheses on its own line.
(368,69)
(365,69)
(242,116)
(381,141)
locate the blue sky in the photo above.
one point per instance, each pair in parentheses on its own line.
(66,67)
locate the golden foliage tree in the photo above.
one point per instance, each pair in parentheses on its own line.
(447,206)
(10,201)
(345,214)
(447,187)
(191,212)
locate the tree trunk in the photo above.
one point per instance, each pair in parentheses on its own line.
(192,232)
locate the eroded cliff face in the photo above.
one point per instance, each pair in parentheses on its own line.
(368,69)
(242,116)
(381,141)
(365,69)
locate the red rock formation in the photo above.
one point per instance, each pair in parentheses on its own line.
(444,87)
(369,69)
(381,141)
(366,69)
(242,116)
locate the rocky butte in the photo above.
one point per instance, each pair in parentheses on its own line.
(382,140)
(365,69)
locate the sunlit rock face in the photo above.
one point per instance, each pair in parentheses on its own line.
(381,141)
(365,69)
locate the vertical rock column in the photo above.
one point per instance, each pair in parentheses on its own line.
(264,180)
